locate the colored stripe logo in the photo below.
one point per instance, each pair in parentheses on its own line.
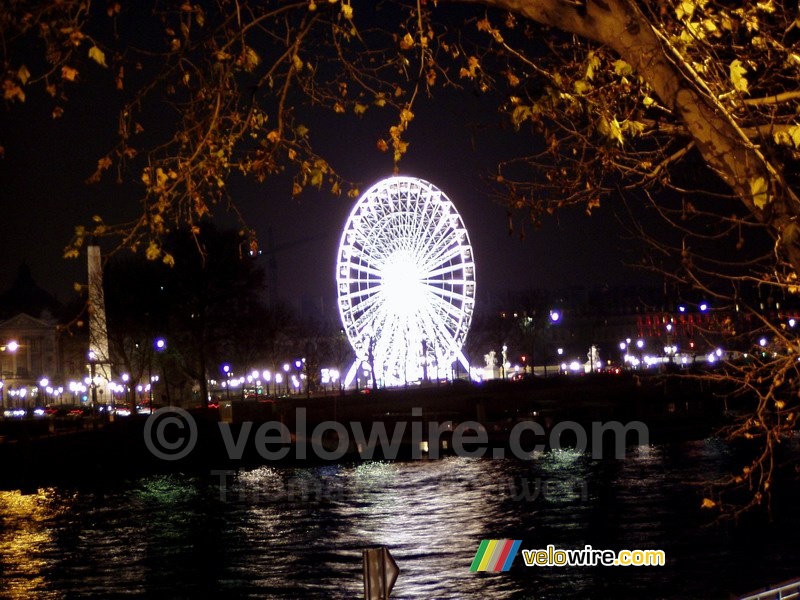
(495,555)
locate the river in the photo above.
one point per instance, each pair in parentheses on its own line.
(298,531)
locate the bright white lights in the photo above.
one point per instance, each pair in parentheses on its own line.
(406,281)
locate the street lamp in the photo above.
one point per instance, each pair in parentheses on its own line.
(43,383)
(159,344)
(226,368)
(286,370)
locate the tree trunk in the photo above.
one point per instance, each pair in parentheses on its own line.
(620,25)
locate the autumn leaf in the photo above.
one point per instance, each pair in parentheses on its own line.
(610,129)
(252,60)
(759,189)
(23,74)
(11,91)
(69,73)
(708,503)
(582,86)
(98,56)
(347,11)
(297,63)
(592,65)
(407,42)
(622,68)
(430,77)
(513,80)
(153,251)
(382,145)
(737,76)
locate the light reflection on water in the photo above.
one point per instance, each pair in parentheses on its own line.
(299,532)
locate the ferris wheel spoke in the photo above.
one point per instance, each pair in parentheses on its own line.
(359,293)
(437,272)
(368,310)
(361,268)
(437,236)
(440,335)
(448,319)
(449,295)
(444,254)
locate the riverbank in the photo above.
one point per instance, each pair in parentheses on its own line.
(494,419)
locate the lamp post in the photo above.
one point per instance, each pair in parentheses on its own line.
(227,370)
(266,376)
(92,382)
(640,346)
(286,370)
(127,387)
(160,344)
(43,383)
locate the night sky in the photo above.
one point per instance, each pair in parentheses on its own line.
(44,196)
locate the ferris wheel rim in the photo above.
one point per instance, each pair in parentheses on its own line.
(447,290)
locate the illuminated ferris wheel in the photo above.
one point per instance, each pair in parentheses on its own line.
(406,282)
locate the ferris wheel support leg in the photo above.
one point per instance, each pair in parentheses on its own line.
(351,374)
(464,362)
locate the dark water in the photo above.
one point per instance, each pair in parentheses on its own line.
(293,532)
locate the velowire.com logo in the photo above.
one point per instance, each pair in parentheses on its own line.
(495,555)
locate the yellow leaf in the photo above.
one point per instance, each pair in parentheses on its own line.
(252,60)
(759,189)
(382,145)
(11,91)
(98,56)
(359,108)
(780,404)
(406,116)
(737,76)
(69,73)
(297,189)
(407,42)
(593,63)
(274,136)
(23,74)
(153,251)
(622,68)
(708,503)
(168,260)
(347,11)
(297,63)
(582,86)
